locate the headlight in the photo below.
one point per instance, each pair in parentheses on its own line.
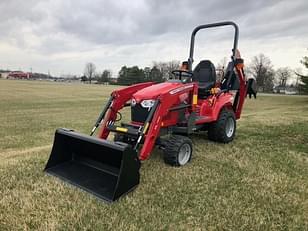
(148,103)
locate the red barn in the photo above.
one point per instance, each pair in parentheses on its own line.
(19,75)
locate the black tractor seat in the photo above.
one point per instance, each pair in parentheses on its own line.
(205,74)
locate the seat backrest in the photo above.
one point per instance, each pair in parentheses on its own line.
(204,72)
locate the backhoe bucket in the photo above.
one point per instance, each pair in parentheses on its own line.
(101,167)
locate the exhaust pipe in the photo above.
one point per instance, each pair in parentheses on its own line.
(105,169)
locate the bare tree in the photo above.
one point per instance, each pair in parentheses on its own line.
(167,67)
(283,74)
(262,69)
(89,71)
(147,71)
(221,68)
(298,72)
(104,77)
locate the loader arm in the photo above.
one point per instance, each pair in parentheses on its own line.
(165,102)
(118,100)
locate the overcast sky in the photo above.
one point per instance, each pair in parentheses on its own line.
(62,36)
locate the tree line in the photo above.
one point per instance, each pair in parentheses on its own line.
(158,72)
(260,68)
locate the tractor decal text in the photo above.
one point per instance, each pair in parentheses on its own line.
(181,89)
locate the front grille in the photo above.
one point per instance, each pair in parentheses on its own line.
(138,113)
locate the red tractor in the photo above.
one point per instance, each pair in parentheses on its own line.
(163,114)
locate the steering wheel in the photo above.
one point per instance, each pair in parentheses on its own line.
(181,73)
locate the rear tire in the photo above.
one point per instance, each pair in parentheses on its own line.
(223,130)
(178,150)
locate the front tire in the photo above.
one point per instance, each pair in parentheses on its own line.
(178,150)
(223,130)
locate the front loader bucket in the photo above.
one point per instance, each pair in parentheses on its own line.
(101,167)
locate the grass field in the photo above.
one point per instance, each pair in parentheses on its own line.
(257,182)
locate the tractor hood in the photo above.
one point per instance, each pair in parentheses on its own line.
(152,92)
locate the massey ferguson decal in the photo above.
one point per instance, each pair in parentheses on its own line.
(181,89)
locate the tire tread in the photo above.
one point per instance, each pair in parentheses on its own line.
(216,131)
(172,146)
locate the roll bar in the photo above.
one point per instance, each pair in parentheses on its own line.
(192,40)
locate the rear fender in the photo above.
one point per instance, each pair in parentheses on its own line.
(223,101)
